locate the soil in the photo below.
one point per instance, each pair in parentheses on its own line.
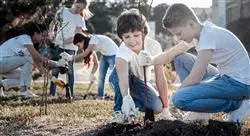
(172,128)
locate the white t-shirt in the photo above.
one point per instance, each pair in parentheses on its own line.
(150,45)
(229,54)
(103,44)
(68,26)
(15,45)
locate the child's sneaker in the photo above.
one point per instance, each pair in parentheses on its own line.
(1,92)
(241,114)
(101,98)
(27,94)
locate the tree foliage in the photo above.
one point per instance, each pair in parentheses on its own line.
(15,15)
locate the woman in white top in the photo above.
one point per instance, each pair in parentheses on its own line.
(96,43)
(71,22)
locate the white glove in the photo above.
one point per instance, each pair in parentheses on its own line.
(128,106)
(92,77)
(145,59)
(58,42)
(61,63)
(165,114)
(66,56)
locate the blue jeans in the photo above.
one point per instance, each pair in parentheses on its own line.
(137,92)
(216,93)
(17,69)
(105,63)
(70,75)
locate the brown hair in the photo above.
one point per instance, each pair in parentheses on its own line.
(86,13)
(131,20)
(177,15)
(80,37)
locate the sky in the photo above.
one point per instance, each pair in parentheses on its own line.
(191,3)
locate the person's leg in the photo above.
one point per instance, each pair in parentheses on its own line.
(184,64)
(12,79)
(102,74)
(223,94)
(56,51)
(71,74)
(10,64)
(140,95)
(114,84)
(52,89)
(111,62)
(26,73)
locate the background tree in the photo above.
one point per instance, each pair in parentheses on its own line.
(158,13)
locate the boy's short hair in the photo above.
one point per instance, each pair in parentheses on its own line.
(177,15)
(33,28)
(131,20)
(81,1)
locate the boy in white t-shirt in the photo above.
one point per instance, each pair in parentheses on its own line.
(92,44)
(17,56)
(127,78)
(71,22)
(229,90)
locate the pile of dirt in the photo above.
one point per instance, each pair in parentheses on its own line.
(171,128)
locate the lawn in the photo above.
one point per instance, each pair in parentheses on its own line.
(77,117)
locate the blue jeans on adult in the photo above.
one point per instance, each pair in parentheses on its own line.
(70,75)
(216,93)
(137,92)
(105,63)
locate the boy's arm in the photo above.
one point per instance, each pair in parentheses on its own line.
(122,72)
(161,84)
(199,68)
(169,55)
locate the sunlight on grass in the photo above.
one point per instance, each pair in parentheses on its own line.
(22,117)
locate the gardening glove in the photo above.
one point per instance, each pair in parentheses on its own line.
(165,114)
(57,42)
(60,83)
(145,59)
(92,77)
(62,63)
(128,106)
(66,56)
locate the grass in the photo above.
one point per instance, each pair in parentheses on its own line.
(22,117)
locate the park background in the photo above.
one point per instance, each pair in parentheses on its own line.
(85,116)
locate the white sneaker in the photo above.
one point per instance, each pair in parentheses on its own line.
(197,117)
(119,117)
(101,98)
(2,93)
(27,94)
(241,114)
(51,97)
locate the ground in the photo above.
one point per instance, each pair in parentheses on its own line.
(92,117)
(87,116)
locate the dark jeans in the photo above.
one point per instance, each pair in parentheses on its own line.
(70,75)
(137,92)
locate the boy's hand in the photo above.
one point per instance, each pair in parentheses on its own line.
(128,106)
(165,114)
(62,63)
(66,56)
(145,59)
